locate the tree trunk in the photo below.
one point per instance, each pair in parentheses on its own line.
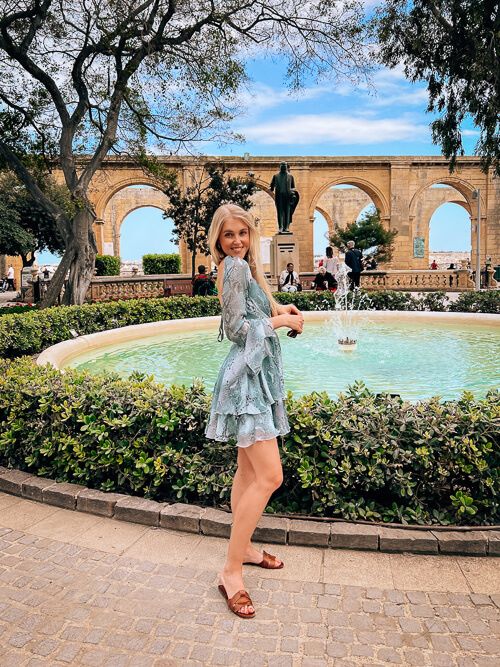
(193,256)
(79,258)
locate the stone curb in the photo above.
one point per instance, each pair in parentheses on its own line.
(279,530)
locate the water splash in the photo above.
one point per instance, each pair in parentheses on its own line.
(346,327)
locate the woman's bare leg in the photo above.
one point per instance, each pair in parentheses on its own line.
(265,460)
(242,479)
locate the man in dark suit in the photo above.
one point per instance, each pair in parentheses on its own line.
(354,260)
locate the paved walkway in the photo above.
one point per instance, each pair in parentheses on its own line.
(77,589)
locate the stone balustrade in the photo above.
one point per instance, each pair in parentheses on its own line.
(418,280)
(111,288)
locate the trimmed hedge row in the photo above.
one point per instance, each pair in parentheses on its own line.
(107,265)
(32,332)
(159,264)
(361,456)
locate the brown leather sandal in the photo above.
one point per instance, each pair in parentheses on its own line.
(268,562)
(237,602)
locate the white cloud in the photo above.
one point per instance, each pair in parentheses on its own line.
(260,96)
(316,128)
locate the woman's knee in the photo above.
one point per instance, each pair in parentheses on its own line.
(272,479)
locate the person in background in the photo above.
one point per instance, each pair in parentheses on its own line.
(434,265)
(370,264)
(451,267)
(330,262)
(354,260)
(10,278)
(203,285)
(320,282)
(289,280)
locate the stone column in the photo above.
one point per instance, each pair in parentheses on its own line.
(284,249)
(400,179)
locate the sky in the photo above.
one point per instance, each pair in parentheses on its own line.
(388,118)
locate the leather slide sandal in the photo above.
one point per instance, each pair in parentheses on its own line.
(237,602)
(268,562)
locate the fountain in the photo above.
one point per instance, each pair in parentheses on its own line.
(345,326)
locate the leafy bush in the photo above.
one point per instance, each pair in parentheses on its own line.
(361,456)
(12,310)
(32,332)
(161,264)
(477,302)
(107,265)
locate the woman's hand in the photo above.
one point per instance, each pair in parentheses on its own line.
(294,322)
(290,309)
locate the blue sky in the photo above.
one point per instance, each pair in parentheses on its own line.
(387,118)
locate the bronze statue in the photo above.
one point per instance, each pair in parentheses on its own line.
(286,197)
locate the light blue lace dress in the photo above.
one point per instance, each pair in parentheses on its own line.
(247,402)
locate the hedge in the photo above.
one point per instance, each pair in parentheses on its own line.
(360,456)
(107,265)
(161,264)
(32,332)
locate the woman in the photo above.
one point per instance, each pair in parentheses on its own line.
(330,262)
(248,399)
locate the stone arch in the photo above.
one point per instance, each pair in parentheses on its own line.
(326,216)
(463,187)
(375,194)
(108,193)
(422,211)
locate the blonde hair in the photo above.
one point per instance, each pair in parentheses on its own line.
(234,212)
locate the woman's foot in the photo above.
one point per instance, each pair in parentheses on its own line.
(232,584)
(255,557)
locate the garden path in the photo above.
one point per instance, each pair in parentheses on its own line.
(77,589)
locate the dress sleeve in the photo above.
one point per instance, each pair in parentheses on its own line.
(251,334)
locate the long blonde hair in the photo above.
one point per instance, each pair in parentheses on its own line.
(234,212)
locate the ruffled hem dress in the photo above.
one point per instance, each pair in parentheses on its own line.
(248,398)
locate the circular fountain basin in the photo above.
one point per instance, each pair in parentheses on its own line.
(414,354)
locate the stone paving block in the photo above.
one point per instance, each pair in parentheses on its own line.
(181,516)
(215,522)
(310,533)
(271,529)
(139,510)
(400,539)
(98,502)
(473,542)
(33,487)
(353,536)
(62,494)
(11,481)
(493,542)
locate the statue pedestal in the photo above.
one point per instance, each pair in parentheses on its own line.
(284,249)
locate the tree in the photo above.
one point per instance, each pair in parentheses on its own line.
(453,45)
(368,232)
(192,211)
(25,226)
(82,78)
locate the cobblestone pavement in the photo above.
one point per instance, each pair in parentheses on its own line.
(66,604)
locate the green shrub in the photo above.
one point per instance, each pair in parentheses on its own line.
(107,265)
(32,332)
(161,264)
(12,310)
(477,302)
(360,456)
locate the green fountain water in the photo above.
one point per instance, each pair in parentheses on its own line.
(414,359)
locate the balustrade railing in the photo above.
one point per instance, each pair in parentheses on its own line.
(111,288)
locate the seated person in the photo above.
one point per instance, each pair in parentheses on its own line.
(203,285)
(370,264)
(324,281)
(289,280)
